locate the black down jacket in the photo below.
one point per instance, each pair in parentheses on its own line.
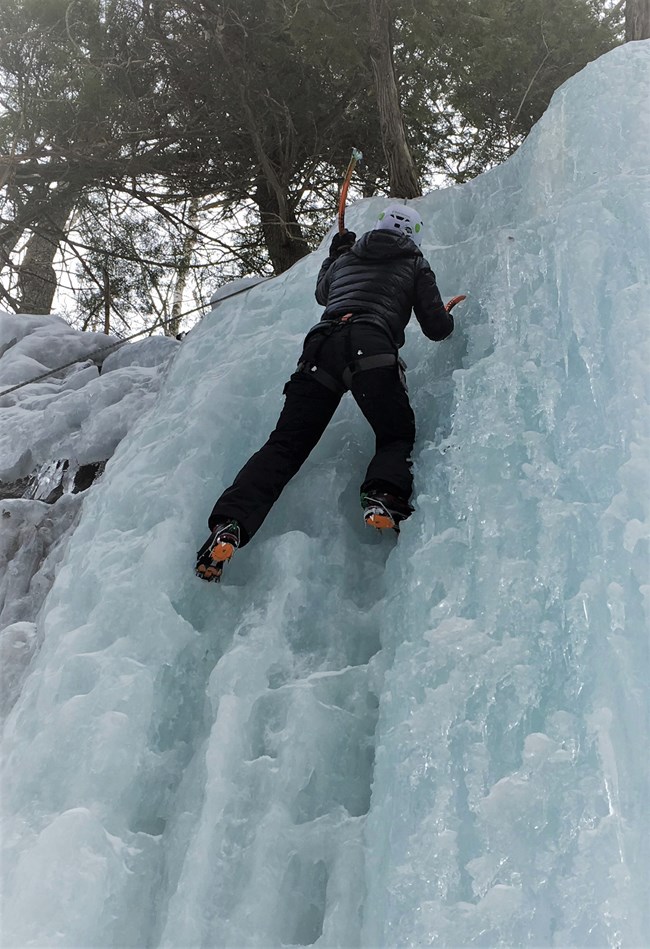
(384,276)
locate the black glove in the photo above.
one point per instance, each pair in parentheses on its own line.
(342,243)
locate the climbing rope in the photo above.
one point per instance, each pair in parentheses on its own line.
(110,346)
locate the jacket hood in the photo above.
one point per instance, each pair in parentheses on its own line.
(380,244)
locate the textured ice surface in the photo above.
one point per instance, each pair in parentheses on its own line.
(352,743)
(77,414)
(50,430)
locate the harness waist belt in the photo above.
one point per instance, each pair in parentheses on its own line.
(332,324)
(380,361)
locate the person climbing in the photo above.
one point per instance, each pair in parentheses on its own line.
(368,288)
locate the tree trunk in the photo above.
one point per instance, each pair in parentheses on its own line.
(173,327)
(282,235)
(26,212)
(637,20)
(402,174)
(107,301)
(36,277)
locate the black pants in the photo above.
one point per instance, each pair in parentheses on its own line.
(309,405)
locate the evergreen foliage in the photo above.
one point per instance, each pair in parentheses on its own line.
(249,110)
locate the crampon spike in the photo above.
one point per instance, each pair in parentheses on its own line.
(380,519)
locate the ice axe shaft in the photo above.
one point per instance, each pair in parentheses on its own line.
(356,156)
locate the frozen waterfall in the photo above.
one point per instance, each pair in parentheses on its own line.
(352,742)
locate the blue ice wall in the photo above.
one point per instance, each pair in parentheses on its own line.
(353,742)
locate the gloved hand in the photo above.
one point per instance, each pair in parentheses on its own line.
(342,243)
(454,300)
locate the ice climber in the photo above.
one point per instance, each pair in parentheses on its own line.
(368,288)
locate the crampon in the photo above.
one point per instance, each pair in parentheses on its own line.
(217,551)
(384,511)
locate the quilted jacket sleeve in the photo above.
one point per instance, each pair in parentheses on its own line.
(429,309)
(323,281)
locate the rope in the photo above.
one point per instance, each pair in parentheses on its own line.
(110,346)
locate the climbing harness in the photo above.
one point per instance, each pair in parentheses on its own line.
(353,364)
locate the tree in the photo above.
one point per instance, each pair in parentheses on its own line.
(77,83)
(500,62)
(248,111)
(283,108)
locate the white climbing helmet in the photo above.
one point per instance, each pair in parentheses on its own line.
(398,217)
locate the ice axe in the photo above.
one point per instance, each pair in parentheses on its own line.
(356,156)
(454,300)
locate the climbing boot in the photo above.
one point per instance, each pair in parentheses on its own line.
(384,511)
(217,551)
